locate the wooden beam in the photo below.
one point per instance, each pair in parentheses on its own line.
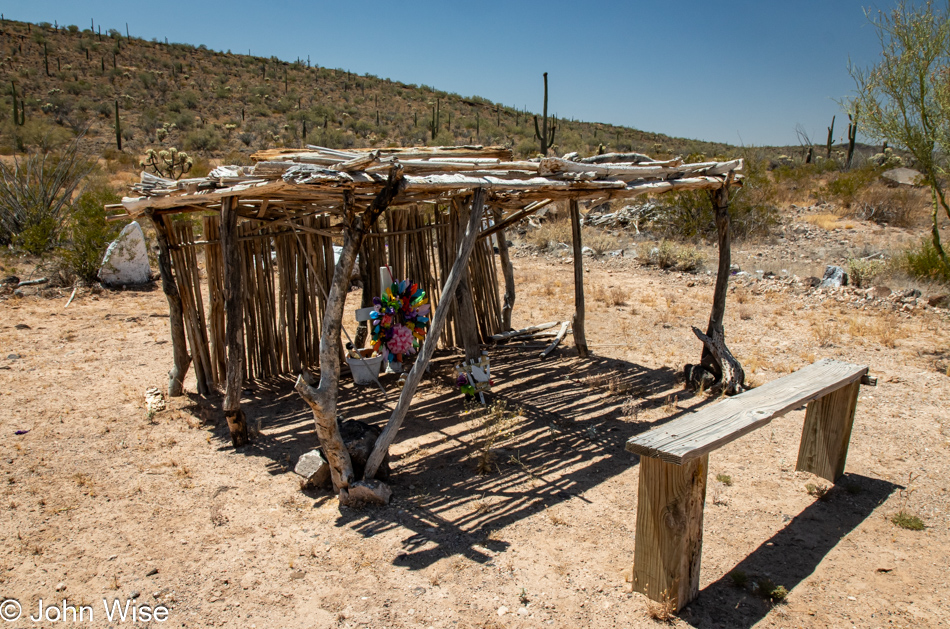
(827,432)
(557,339)
(523,331)
(234,323)
(580,337)
(514,217)
(180,358)
(466,244)
(669,537)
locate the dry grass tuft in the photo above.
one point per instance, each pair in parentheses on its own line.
(663,610)
(608,381)
(825,333)
(828,222)
(497,424)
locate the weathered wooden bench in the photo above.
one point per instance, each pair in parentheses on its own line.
(675,456)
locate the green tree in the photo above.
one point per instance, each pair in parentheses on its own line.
(905,97)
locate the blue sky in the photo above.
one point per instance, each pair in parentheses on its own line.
(741,72)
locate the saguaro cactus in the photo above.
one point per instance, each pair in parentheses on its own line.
(434,125)
(118,127)
(19,114)
(831,131)
(544,133)
(852,135)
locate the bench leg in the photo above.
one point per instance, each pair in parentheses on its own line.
(827,433)
(669,539)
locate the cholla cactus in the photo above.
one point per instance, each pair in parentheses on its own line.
(888,159)
(170,163)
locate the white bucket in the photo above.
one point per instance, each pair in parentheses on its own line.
(366,370)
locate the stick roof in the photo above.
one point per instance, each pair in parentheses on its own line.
(286,182)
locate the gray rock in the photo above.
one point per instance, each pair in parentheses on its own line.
(910,293)
(370,491)
(13,357)
(902,177)
(126,260)
(314,469)
(834,277)
(939,301)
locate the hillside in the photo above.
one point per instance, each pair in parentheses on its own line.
(225,106)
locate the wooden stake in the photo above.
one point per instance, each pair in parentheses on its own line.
(176,323)
(669,537)
(234,323)
(827,433)
(468,324)
(580,337)
(509,273)
(467,243)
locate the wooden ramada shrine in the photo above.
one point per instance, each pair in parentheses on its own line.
(272,300)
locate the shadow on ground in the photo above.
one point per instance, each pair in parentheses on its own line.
(573,418)
(789,556)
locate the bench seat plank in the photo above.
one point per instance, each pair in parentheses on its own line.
(699,433)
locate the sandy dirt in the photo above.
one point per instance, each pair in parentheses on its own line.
(102,501)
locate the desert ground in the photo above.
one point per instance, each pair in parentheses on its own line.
(521,518)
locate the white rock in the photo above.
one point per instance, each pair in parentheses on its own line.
(126,259)
(314,469)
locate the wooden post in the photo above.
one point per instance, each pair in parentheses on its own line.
(720,200)
(176,321)
(508,271)
(467,321)
(580,337)
(234,322)
(466,244)
(322,399)
(827,433)
(669,538)
(729,375)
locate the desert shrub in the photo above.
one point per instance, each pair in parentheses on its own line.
(38,133)
(237,158)
(899,207)
(690,259)
(89,232)
(200,168)
(550,234)
(752,212)
(924,262)
(35,193)
(863,272)
(203,140)
(669,255)
(600,241)
(844,187)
